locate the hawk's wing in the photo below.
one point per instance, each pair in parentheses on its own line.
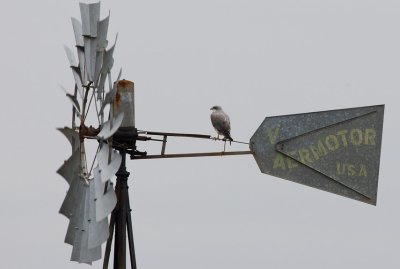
(221,123)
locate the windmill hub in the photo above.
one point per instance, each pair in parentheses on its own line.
(85,131)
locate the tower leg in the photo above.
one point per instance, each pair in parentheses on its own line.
(121,219)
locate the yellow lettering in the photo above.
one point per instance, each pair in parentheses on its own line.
(279,162)
(331,142)
(351,170)
(273,134)
(343,137)
(304,155)
(318,151)
(363,171)
(340,168)
(370,135)
(356,136)
(290,162)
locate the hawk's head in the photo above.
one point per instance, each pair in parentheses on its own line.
(216,108)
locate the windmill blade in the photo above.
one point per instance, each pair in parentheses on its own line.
(71,57)
(109,162)
(102,42)
(78,80)
(71,208)
(80,250)
(73,100)
(102,29)
(111,126)
(72,136)
(105,196)
(108,99)
(108,62)
(90,45)
(77,26)
(90,15)
(98,229)
(82,69)
(70,168)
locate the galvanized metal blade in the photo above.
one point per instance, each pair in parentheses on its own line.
(71,57)
(90,15)
(78,80)
(105,196)
(336,151)
(111,126)
(70,169)
(77,26)
(98,230)
(72,136)
(72,206)
(109,162)
(81,251)
(90,45)
(102,30)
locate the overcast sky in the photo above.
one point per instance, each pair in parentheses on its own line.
(255,59)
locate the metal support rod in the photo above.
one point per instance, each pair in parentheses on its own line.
(121,219)
(109,241)
(163,145)
(184,155)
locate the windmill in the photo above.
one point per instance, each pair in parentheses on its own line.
(91,196)
(336,151)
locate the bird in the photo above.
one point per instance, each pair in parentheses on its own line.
(221,123)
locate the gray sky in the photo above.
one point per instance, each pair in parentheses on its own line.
(255,59)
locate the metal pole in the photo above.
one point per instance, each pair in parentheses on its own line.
(122,210)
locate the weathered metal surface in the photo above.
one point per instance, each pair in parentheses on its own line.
(90,14)
(78,80)
(337,151)
(90,45)
(71,57)
(187,155)
(70,167)
(109,162)
(77,26)
(89,201)
(72,136)
(111,126)
(125,101)
(105,196)
(102,30)
(81,251)
(98,230)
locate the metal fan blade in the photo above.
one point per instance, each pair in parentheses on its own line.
(81,251)
(108,60)
(78,79)
(70,168)
(105,196)
(102,29)
(72,136)
(71,208)
(98,229)
(97,69)
(77,26)
(71,57)
(111,126)
(109,162)
(81,59)
(90,56)
(90,14)
(108,99)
